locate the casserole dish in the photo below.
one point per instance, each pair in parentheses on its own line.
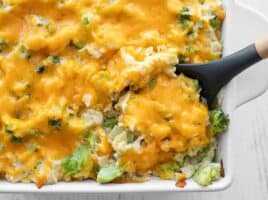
(156,185)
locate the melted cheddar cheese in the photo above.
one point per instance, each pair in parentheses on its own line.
(66,65)
(170,118)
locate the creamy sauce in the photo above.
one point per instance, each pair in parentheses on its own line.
(59,58)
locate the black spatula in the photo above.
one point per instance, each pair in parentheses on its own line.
(214,75)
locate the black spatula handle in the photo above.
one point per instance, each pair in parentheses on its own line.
(230,66)
(214,75)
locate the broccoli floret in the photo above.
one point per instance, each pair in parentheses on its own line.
(110,173)
(51,28)
(218,122)
(197,86)
(40,69)
(15,139)
(152,83)
(207,173)
(8,129)
(77,162)
(214,22)
(34,132)
(183,59)
(184,17)
(32,148)
(93,140)
(55,59)
(191,31)
(24,52)
(174,166)
(202,1)
(110,121)
(3,45)
(55,123)
(85,20)
(167,170)
(76,44)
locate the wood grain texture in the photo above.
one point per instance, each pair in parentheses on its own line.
(250,157)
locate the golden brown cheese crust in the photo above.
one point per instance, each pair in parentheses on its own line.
(61,58)
(169,116)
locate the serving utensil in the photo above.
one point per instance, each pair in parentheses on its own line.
(216,74)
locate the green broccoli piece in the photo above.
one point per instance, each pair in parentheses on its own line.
(24,52)
(214,22)
(197,86)
(182,59)
(110,121)
(3,45)
(34,132)
(8,129)
(170,166)
(93,140)
(15,139)
(202,1)
(207,173)
(76,162)
(184,17)
(51,28)
(55,59)
(110,173)
(191,31)
(218,121)
(32,148)
(85,21)
(76,44)
(55,123)
(152,83)
(40,69)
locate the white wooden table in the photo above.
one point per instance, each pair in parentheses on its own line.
(250,157)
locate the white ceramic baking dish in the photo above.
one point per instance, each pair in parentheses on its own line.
(241,27)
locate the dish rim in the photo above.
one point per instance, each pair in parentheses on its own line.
(152,185)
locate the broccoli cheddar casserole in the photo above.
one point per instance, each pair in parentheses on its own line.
(88,90)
